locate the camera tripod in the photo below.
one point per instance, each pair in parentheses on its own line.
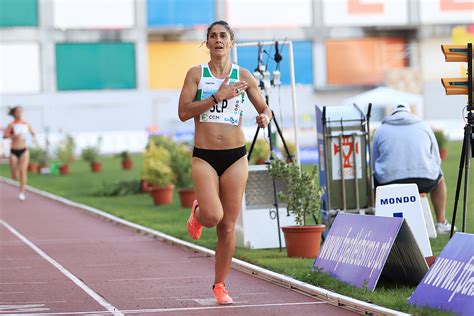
(467,148)
(466,153)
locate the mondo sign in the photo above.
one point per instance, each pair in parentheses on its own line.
(403,200)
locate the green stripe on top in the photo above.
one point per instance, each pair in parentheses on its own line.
(234,74)
(206,73)
(198,95)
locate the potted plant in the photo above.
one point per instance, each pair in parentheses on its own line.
(35,157)
(442,140)
(91,155)
(181,158)
(65,154)
(260,152)
(159,141)
(158,174)
(127,162)
(303,199)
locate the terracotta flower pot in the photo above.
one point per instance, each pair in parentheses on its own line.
(127,164)
(443,152)
(33,167)
(64,170)
(303,241)
(96,166)
(187,197)
(162,196)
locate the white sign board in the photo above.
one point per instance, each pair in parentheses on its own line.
(365,12)
(93,14)
(446,11)
(269,13)
(20,68)
(348,150)
(403,200)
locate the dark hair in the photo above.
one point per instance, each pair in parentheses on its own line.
(12,110)
(224,24)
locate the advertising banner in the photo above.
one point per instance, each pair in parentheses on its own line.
(449,284)
(360,249)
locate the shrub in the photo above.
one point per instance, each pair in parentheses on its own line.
(181,164)
(65,150)
(260,152)
(37,155)
(120,188)
(156,166)
(304,193)
(92,153)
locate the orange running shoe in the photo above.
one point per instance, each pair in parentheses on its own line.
(194,228)
(221,294)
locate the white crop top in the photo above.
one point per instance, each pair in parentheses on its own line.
(226,111)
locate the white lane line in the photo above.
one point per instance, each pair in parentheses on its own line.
(234,295)
(163,278)
(258,293)
(209,301)
(187,309)
(99,299)
(22,308)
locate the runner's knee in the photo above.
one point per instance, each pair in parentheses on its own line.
(210,217)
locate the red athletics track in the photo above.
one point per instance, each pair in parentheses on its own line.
(57,260)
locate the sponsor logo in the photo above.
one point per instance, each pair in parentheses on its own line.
(214,117)
(231,120)
(209,82)
(398,200)
(203,117)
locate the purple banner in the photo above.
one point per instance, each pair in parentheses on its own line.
(357,247)
(449,284)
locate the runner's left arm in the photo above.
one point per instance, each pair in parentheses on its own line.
(33,134)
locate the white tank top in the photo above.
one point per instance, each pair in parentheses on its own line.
(226,111)
(20,128)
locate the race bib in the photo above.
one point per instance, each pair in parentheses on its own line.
(226,111)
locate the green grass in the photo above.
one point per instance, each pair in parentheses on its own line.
(81,185)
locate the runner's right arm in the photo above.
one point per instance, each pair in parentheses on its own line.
(8,131)
(188,108)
